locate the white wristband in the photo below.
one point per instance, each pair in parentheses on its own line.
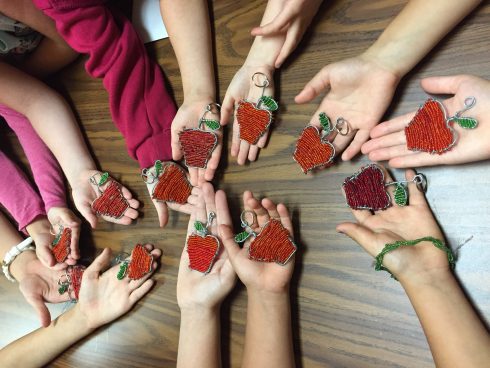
(26,244)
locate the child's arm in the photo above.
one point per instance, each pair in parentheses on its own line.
(103,298)
(187,23)
(456,335)
(268,338)
(52,118)
(200,296)
(389,141)
(360,89)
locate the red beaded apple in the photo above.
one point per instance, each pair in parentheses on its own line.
(111,201)
(271,244)
(61,244)
(71,281)
(199,144)
(138,266)
(202,247)
(431,131)
(254,118)
(171,185)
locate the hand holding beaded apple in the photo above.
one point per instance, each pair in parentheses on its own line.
(455,144)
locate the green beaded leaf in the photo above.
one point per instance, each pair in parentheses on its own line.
(103,179)
(269,103)
(241,237)
(325,122)
(199,226)
(158,167)
(57,239)
(466,123)
(401,195)
(62,289)
(212,124)
(122,270)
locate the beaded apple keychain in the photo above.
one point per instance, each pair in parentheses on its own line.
(111,201)
(138,266)
(254,118)
(61,244)
(366,189)
(271,244)
(199,144)
(431,131)
(71,281)
(314,149)
(171,180)
(202,247)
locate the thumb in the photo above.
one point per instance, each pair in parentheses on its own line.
(99,264)
(87,212)
(162,211)
(361,235)
(442,85)
(228,238)
(45,255)
(37,302)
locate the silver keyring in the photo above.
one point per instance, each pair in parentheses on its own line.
(339,125)
(243,219)
(266,81)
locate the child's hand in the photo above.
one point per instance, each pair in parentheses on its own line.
(162,207)
(293,20)
(194,289)
(359,90)
(84,193)
(64,217)
(103,298)
(41,233)
(243,88)
(187,117)
(259,277)
(374,231)
(389,141)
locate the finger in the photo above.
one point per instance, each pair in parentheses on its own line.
(283,212)
(162,212)
(209,199)
(289,45)
(385,154)
(175,143)
(222,210)
(45,255)
(389,140)
(340,142)
(37,302)
(253,152)
(235,140)
(193,175)
(243,152)
(392,126)
(417,197)
(263,140)
(200,209)
(131,213)
(442,85)
(271,208)
(228,239)
(227,109)
(314,87)
(141,291)
(75,238)
(200,177)
(214,160)
(277,24)
(86,211)
(99,264)
(261,213)
(361,235)
(133,203)
(415,159)
(355,146)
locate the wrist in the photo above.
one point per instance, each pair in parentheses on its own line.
(20,265)
(196,314)
(386,60)
(434,278)
(268,298)
(81,321)
(199,95)
(39,225)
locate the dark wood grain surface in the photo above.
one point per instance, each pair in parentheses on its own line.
(344,313)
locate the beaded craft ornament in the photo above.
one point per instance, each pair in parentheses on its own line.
(171,180)
(366,189)
(431,131)
(71,281)
(138,266)
(254,118)
(199,144)
(61,244)
(313,149)
(202,247)
(111,201)
(271,244)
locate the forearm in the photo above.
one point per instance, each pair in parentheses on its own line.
(415,31)
(457,337)
(268,337)
(199,339)
(188,26)
(59,336)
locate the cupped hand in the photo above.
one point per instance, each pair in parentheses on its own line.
(358,90)
(389,142)
(188,117)
(242,87)
(103,297)
(410,222)
(261,277)
(60,218)
(195,289)
(84,193)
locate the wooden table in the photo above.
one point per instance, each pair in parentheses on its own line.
(344,313)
